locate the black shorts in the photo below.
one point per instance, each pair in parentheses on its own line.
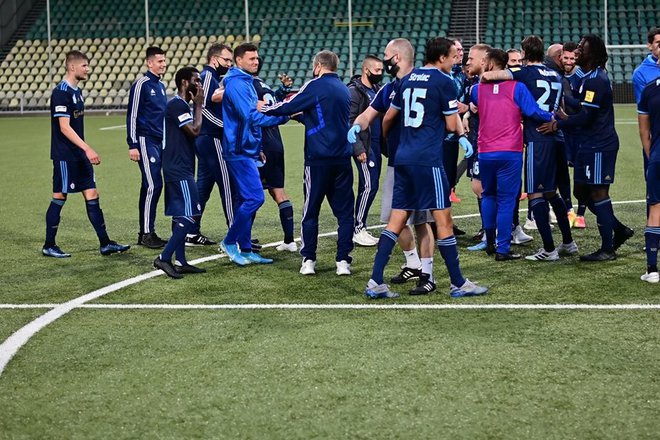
(272,173)
(72,176)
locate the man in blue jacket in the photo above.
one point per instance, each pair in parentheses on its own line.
(241,148)
(325,104)
(650,67)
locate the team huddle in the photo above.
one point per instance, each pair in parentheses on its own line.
(554,112)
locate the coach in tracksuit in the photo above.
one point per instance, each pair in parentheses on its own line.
(241,148)
(144,123)
(325,105)
(212,168)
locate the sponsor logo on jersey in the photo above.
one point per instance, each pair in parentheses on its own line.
(153,92)
(78,113)
(75,100)
(589,96)
(152,159)
(453,103)
(184,117)
(60,108)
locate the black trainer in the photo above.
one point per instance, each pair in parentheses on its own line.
(458,231)
(507,257)
(188,268)
(406,274)
(599,255)
(479,235)
(490,249)
(621,236)
(424,285)
(151,240)
(256,247)
(167,267)
(198,240)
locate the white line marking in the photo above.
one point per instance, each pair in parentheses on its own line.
(346,306)
(114,127)
(14,342)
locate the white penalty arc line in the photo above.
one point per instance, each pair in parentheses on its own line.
(345,306)
(18,339)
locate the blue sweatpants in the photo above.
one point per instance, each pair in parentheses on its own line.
(336,183)
(152,181)
(249,197)
(212,170)
(500,179)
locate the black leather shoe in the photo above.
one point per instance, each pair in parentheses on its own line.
(189,268)
(151,240)
(458,231)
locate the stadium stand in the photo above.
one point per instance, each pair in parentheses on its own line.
(288,33)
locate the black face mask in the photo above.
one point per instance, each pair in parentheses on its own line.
(390,67)
(375,78)
(222,70)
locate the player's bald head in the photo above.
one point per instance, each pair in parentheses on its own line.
(403,48)
(555,50)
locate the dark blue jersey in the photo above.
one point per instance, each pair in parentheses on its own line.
(211,111)
(425,98)
(546,87)
(66,102)
(178,148)
(473,121)
(146,107)
(649,104)
(596,119)
(325,103)
(381,103)
(271,140)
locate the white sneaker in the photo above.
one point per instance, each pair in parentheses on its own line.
(530,224)
(290,247)
(542,255)
(568,249)
(652,277)
(519,236)
(553,216)
(364,238)
(308,267)
(343,268)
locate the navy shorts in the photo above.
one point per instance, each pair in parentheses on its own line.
(182,199)
(72,176)
(272,173)
(541,167)
(418,187)
(595,167)
(473,167)
(653,183)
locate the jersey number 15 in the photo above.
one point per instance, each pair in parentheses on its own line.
(413,108)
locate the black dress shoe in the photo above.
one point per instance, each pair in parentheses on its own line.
(507,257)
(599,255)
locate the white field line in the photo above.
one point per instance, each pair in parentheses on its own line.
(346,306)
(114,127)
(14,342)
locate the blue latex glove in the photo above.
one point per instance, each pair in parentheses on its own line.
(466,146)
(352,133)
